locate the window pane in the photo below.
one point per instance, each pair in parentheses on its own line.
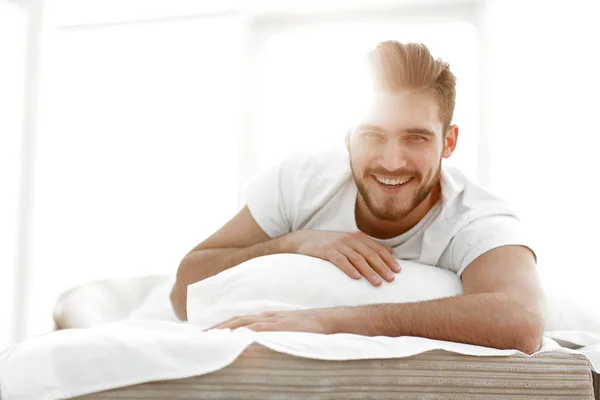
(137,150)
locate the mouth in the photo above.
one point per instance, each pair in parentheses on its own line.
(393,185)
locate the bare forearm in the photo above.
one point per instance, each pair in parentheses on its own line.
(486,319)
(200,264)
(204,263)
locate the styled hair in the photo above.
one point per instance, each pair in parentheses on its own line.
(397,66)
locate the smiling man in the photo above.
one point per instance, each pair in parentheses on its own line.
(388,198)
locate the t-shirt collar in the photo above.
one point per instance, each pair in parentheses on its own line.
(450,187)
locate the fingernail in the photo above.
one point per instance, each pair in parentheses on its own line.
(356,275)
(377,280)
(389,275)
(397,267)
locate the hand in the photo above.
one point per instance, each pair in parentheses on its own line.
(354,253)
(316,320)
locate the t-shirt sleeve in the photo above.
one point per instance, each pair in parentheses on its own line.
(481,236)
(269,196)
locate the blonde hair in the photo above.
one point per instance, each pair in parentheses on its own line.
(397,66)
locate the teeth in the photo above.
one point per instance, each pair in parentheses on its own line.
(393,182)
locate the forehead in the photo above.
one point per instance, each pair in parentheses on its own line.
(402,110)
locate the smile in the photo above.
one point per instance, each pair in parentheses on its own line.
(393,182)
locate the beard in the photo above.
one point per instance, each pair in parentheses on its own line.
(389,209)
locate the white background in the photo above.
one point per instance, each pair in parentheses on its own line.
(127,131)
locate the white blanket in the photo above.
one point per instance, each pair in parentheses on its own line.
(75,362)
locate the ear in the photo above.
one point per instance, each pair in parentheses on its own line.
(450,141)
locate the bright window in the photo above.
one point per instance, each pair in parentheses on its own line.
(304,73)
(137,150)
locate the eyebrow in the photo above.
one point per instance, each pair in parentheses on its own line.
(377,128)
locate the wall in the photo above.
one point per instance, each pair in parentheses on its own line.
(543,129)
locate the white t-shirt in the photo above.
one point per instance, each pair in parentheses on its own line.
(318,192)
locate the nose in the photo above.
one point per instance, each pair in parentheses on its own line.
(393,156)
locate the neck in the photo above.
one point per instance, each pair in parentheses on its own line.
(377,228)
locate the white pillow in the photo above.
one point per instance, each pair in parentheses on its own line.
(293,282)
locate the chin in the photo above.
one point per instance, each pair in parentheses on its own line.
(394,215)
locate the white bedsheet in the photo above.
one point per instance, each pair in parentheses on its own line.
(75,362)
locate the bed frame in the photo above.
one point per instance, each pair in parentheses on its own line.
(263,374)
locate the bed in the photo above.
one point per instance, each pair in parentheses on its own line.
(262,373)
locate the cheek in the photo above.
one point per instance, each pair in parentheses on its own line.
(427,161)
(361,157)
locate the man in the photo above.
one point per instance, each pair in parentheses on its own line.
(389,198)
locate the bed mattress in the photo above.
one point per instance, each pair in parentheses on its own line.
(262,373)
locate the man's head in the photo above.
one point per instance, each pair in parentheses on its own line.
(397,146)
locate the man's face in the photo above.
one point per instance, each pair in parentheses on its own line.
(396,151)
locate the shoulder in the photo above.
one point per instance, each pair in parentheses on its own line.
(466,200)
(305,168)
(305,174)
(480,220)
(291,190)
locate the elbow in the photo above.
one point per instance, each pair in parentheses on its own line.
(529,344)
(525,322)
(530,332)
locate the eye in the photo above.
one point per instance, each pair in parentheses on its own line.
(373,134)
(417,137)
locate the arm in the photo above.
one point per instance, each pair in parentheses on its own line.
(242,239)
(503,306)
(239,240)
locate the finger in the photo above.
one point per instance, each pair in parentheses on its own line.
(239,323)
(235,322)
(262,327)
(384,253)
(340,261)
(369,241)
(389,260)
(216,326)
(374,259)
(359,262)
